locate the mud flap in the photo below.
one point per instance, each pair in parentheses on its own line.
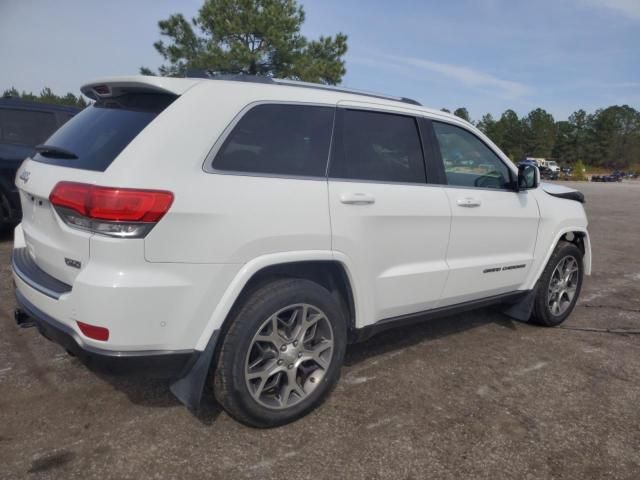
(523,308)
(189,387)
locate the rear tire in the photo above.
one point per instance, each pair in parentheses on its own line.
(559,286)
(282,353)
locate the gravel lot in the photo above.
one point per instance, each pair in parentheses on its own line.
(470,396)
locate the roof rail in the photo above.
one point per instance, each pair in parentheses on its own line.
(230,76)
(243,77)
(296,83)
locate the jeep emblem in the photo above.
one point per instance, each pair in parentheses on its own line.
(24,176)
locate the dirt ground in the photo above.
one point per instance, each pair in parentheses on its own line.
(470,396)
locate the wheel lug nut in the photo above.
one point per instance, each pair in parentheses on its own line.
(295,343)
(280,362)
(283,348)
(290,366)
(299,354)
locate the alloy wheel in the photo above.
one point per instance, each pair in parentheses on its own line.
(563,285)
(289,356)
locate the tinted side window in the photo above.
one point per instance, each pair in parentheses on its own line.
(378,146)
(279,140)
(468,162)
(26,127)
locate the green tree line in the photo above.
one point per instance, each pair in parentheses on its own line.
(254,37)
(47,96)
(606,138)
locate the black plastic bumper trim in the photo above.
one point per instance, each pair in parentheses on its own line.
(156,363)
(27,270)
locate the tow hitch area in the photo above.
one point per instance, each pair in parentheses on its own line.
(23,319)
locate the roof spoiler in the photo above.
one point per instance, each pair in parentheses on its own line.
(113,87)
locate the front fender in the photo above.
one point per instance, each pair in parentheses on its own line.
(537,272)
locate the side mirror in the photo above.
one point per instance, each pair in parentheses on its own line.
(528,177)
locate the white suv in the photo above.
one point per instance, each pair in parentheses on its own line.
(245,231)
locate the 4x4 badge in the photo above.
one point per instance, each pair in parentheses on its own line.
(72,263)
(24,176)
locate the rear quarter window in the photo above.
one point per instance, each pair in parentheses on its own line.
(275,139)
(101,131)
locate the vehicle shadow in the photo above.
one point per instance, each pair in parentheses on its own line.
(152,392)
(155,393)
(427,330)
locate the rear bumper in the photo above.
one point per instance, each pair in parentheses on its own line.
(158,364)
(145,306)
(25,268)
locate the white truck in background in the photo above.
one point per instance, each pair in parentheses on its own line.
(551,165)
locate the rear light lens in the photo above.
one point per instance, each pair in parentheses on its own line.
(117,212)
(92,331)
(102,89)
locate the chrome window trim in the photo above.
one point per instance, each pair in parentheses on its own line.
(207,165)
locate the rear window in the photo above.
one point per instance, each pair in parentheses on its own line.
(100,132)
(25,127)
(279,140)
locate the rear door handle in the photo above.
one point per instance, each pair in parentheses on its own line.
(469,202)
(357,198)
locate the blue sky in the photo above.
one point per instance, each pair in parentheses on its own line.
(487,55)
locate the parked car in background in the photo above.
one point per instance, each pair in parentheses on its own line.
(549,174)
(612,177)
(23,125)
(243,232)
(621,175)
(552,166)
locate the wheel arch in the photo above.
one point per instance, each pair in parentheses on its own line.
(324,268)
(321,267)
(576,235)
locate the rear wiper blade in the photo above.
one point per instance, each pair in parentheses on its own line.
(55,152)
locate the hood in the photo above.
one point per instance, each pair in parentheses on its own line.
(562,191)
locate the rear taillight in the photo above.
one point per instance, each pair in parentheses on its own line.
(117,212)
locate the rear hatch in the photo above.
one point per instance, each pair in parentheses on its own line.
(81,151)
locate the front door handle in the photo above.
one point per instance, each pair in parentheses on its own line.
(469,202)
(357,198)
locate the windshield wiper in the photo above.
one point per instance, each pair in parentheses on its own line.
(55,152)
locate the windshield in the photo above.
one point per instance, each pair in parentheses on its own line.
(98,134)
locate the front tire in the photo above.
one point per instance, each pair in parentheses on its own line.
(282,353)
(559,286)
